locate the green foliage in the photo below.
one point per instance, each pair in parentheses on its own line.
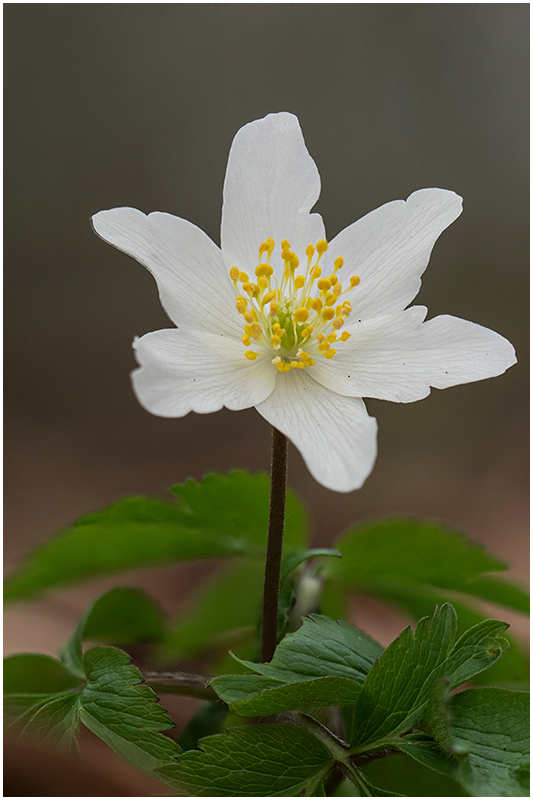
(121,616)
(409,778)
(221,516)
(251,761)
(398,687)
(229,602)
(322,664)
(108,700)
(488,728)
(123,713)
(402,560)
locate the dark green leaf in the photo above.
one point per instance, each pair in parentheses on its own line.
(399,686)
(229,602)
(123,713)
(251,761)
(492,727)
(398,558)
(426,751)
(399,773)
(121,616)
(256,695)
(208,720)
(34,673)
(321,648)
(221,516)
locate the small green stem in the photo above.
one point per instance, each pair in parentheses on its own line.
(276,522)
(181,683)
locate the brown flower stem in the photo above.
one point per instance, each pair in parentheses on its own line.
(181,683)
(276,522)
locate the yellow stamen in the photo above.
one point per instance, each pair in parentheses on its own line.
(330,353)
(243,277)
(268,297)
(299,282)
(250,355)
(321,246)
(310,250)
(345,336)
(328,313)
(234,274)
(323,284)
(246,340)
(338,263)
(323,346)
(275,341)
(316,304)
(355,280)
(301,314)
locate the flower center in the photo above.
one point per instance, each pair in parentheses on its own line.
(298,318)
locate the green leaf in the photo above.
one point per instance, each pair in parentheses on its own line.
(34,673)
(111,703)
(221,516)
(398,558)
(231,602)
(39,698)
(123,713)
(251,761)
(399,685)
(208,720)
(121,616)
(398,772)
(294,560)
(322,647)
(426,751)
(256,695)
(491,726)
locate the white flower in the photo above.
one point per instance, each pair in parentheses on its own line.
(279,319)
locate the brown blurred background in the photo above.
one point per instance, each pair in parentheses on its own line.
(124,104)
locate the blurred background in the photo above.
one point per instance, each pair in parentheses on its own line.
(123,104)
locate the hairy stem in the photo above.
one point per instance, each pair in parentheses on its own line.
(181,683)
(276,522)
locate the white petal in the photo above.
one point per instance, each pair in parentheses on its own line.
(400,357)
(194,285)
(270,187)
(390,248)
(183,371)
(334,434)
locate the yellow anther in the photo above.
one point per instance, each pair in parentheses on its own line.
(257,330)
(323,346)
(285,244)
(273,308)
(246,340)
(276,327)
(308,302)
(345,336)
(268,297)
(338,263)
(307,332)
(263,269)
(299,282)
(311,362)
(328,313)
(248,287)
(297,365)
(330,353)
(287,254)
(320,337)
(337,323)
(263,283)
(337,289)
(240,304)
(250,355)
(316,272)
(302,354)
(332,279)
(355,280)
(301,314)
(331,338)
(248,330)
(310,250)
(250,316)
(263,248)
(321,246)
(323,284)
(295,261)
(243,277)
(275,341)
(271,243)
(331,299)
(234,274)
(316,305)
